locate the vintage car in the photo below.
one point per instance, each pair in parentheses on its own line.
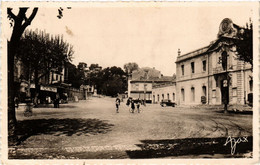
(166,102)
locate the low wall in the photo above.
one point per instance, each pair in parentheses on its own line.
(72,92)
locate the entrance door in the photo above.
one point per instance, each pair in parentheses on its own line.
(224,92)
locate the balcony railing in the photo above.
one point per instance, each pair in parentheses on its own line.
(220,69)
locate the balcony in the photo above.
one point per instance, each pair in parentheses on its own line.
(219,69)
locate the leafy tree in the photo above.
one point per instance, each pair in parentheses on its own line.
(19,23)
(75,76)
(41,53)
(240,42)
(244,44)
(110,81)
(130,67)
(94,66)
(113,81)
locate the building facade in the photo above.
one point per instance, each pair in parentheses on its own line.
(214,74)
(164,91)
(140,85)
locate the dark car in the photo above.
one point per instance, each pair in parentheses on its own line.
(165,103)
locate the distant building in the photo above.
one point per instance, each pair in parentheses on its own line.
(213,73)
(51,83)
(140,86)
(163,91)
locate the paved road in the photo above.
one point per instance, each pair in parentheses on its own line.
(94,126)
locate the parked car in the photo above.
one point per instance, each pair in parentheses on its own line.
(165,103)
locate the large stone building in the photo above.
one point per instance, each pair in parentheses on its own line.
(213,74)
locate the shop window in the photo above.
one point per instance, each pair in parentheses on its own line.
(192,67)
(204,65)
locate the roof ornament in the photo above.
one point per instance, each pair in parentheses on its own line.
(227,29)
(179,52)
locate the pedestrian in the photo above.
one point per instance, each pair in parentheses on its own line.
(132,106)
(128,102)
(57,101)
(117,104)
(138,104)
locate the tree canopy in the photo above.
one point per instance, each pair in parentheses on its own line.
(41,53)
(109,81)
(130,67)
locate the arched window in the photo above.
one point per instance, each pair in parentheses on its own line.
(192,94)
(182,94)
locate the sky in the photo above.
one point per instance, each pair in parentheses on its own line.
(149,36)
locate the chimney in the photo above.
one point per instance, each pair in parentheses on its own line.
(179,52)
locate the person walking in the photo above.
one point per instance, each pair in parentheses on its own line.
(138,104)
(117,104)
(132,106)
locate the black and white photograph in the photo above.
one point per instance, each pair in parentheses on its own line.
(123,81)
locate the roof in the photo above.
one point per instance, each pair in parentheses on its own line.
(192,54)
(161,85)
(156,79)
(228,31)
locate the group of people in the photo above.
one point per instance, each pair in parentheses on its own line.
(130,102)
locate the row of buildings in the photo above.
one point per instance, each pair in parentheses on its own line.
(53,85)
(210,75)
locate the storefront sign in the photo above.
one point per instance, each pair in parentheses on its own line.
(50,89)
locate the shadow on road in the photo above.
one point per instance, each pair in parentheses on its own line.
(233,113)
(189,146)
(68,127)
(52,106)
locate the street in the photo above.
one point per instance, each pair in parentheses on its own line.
(92,129)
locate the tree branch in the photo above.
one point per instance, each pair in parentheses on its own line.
(29,20)
(11,14)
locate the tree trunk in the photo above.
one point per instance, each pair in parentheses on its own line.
(37,87)
(12,136)
(17,32)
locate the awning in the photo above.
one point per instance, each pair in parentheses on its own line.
(47,88)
